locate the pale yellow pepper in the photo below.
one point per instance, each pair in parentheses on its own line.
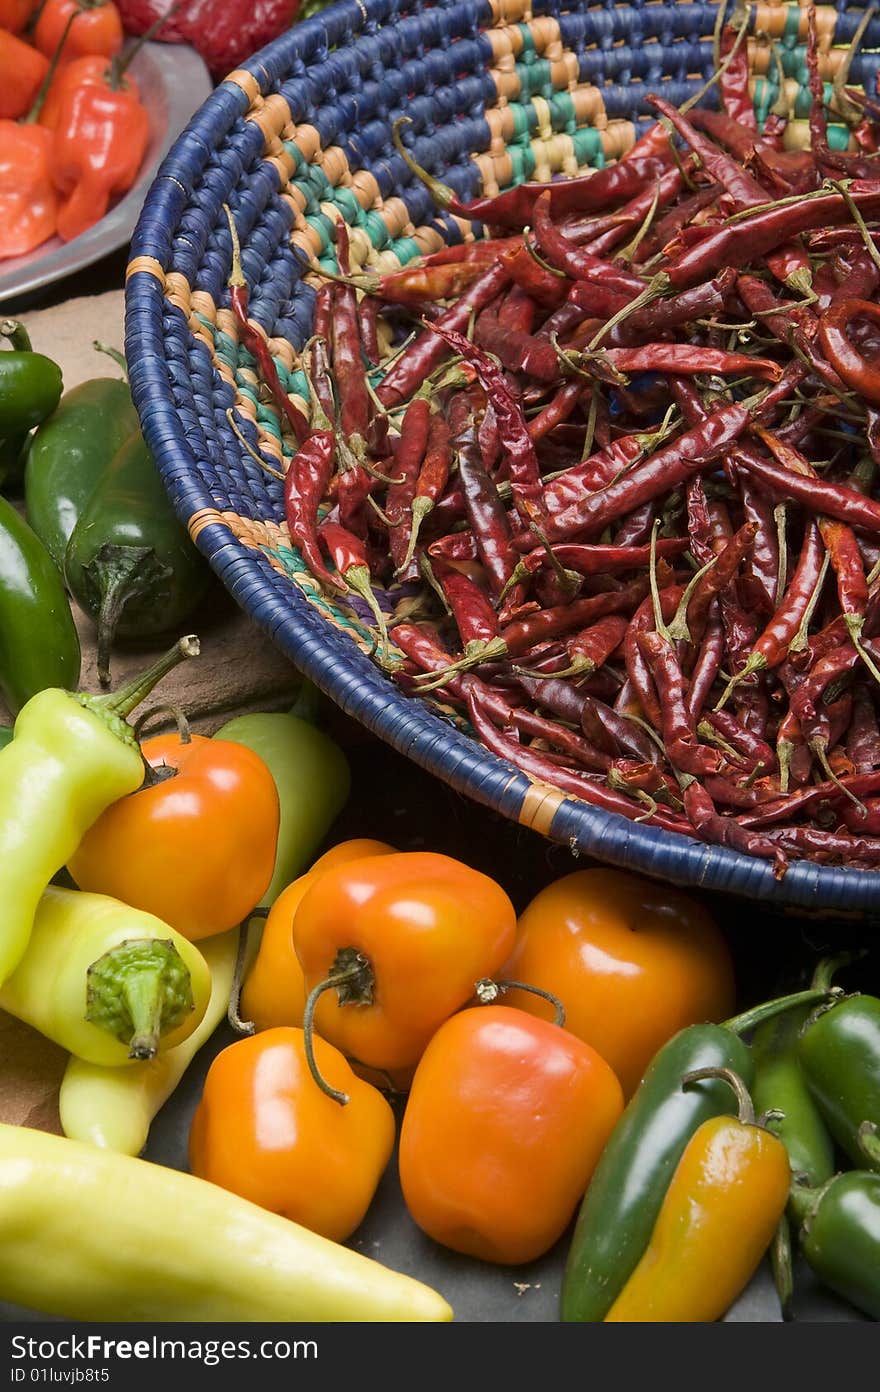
(89,1235)
(113,1108)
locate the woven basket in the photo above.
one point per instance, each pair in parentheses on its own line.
(498,92)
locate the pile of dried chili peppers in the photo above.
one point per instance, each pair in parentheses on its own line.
(616,486)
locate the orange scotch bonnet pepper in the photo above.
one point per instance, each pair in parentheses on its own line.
(392,945)
(14,14)
(274,992)
(100,139)
(197,847)
(633,961)
(28,201)
(505,1122)
(22,70)
(723,1205)
(91,70)
(95,27)
(264,1131)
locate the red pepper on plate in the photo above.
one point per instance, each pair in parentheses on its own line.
(98,147)
(224,34)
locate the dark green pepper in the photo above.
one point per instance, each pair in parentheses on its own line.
(6,734)
(839,1053)
(840,1236)
(39,644)
(625,1195)
(780,1086)
(129,562)
(68,454)
(30,384)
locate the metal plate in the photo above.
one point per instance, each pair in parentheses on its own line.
(174,82)
(394,800)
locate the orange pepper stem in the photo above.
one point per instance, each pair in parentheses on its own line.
(352,977)
(119,64)
(488,991)
(43,90)
(184,733)
(744,1103)
(233,1010)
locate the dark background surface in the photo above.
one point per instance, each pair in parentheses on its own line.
(395,801)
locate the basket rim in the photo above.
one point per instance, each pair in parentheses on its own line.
(362,690)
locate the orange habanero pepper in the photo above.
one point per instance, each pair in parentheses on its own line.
(28,201)
(392,945)
(723,1205)
(264,1131)
(14,14)
(89,71)
(96,28)
(274,992)
(197,847)
(634,962)
(22,70)
(100,140)
(504,1125)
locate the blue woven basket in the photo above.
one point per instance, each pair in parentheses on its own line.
(498,92)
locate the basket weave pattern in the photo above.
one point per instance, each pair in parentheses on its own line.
(498,92)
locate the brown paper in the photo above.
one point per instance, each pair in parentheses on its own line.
(31,1069)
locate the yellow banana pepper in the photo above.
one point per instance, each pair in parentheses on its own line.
(723,1205)
(113,1107)
(89,1235)
(105,981)
(71,756)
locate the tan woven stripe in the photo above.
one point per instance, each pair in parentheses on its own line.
(205,517)
(539,807)
(148,264)
(247,82)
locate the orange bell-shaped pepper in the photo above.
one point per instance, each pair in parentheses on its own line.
(22,69)
(101,138)
(14,14)
(28,201)
(95,26)
(274,991)
(89,71)
(504,1125)
(265,1131)
(196,848)
(392,945)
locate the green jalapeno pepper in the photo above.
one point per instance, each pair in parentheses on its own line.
(71,756)
(839,1053)
(105,981)
(39,644)
(30,384)
(840,1235)
(129,562)
(68,454)
(780,1086)
(621,1205)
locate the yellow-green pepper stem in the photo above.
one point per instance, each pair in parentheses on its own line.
(113,1108)
(153,1244)
(138,991)
(79,939)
